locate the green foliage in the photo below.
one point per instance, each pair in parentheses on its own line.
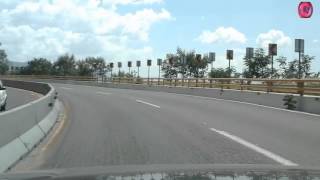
(38,66)
(291,69)
(289,102)
(258,66)
(122,74)
(221,73)
(184,63)
(91,65)
(65,65)
(96,64)
(83,68)
(3,62)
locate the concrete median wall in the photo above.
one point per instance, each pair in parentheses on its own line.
(310,104)
(22,128)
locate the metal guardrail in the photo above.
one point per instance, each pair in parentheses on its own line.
(295,86)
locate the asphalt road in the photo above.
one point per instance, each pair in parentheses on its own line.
(124,127)
(18,97)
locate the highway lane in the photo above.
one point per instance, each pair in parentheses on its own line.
(118,127)
(18,97)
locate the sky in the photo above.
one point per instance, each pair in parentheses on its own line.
(130,30)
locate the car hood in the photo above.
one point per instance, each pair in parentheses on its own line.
(186,171)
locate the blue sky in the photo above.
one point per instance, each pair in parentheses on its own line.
(122,30)
(247,16)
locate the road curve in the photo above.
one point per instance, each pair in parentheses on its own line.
(18,97)
(107,126)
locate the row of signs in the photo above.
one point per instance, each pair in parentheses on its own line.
(299,47)
(138,63)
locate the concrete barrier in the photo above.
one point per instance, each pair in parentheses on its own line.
(22,128)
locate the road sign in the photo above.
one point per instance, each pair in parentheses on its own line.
(249,52)
(212,57)
(299,45)
(159,62)
(149,62)
(229,54)
(272,49)
(138,63)
(129,64)
(119,64)
(111,65)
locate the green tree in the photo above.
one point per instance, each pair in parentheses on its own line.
(96,64)
(3,61)
(65,65)
(221,73)
(185,63)
(170,67)
(258,66)
(291,69)
(83,68)
(38,66)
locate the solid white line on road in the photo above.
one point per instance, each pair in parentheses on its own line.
(252,104)
(143,102)
(103,93)
(66,88)
(256,148)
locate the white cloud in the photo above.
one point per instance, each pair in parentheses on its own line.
(49,28)
(222,34)
(126,2)
(273,36)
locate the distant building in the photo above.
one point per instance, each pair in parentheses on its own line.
(15,66)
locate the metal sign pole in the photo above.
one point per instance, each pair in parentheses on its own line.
(299,70)
(138,72)
(148,74)
(299,47)
(271,66)
(111,74)
(159,75)
(229,68)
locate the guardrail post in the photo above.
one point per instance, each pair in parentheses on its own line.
(175,82)
(188,84)
(119,80)
(204,83)
(210,83)
(300,86)
(269,86)
(241,85)
(163,82)
(197,82)
(170,82)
